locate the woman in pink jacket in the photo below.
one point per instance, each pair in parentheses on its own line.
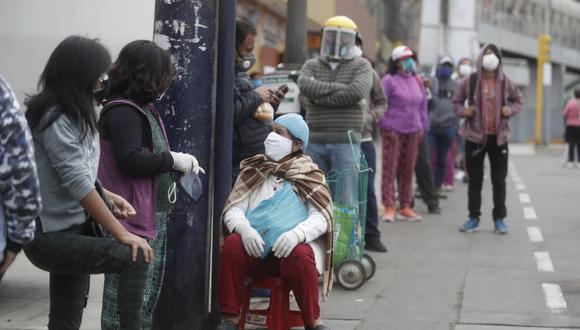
(571,115)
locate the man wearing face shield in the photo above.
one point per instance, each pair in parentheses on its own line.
(250,131)
(492,98)
(335,87)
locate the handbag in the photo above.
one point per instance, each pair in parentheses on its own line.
(92,227)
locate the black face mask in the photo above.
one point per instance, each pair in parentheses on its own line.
(103,93)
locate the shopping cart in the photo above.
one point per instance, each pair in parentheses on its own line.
(349,194)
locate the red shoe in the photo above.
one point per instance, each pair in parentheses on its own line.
(408,214)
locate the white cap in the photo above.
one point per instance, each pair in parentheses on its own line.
(446,59)
(401,53)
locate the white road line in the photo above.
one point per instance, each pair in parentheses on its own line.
(544,262)
(516,179)
(524,198)
(554,297)
(520,186)
(535,234)
(530,213)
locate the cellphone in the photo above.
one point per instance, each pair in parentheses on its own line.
(283,88)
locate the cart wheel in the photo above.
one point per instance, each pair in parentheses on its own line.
(369,264)
(351,275)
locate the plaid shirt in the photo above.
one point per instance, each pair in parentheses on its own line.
(20,194)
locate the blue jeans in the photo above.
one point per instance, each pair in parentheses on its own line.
(440,141)
(338,160)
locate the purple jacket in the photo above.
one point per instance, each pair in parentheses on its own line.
(507,93)
(406,104)
(138,191)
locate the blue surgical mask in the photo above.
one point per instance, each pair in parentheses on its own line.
(444,72)
(409,65)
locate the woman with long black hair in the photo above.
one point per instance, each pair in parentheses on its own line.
(63,121)
(136,161)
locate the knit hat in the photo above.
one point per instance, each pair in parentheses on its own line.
(401,53)
(296,125)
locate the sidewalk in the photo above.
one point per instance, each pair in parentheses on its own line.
(433,277)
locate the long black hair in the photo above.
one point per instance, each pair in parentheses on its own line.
(66,85)
(142,72)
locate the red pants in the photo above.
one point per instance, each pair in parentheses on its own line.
(298,271)
(399,158)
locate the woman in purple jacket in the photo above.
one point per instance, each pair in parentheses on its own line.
(402,128)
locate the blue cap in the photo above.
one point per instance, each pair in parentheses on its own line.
(296,125)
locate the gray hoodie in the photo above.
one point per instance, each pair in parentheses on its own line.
(441,113)
(67,170)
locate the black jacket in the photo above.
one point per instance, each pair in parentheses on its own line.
(249,134)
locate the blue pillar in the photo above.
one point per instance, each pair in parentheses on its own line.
(197,114)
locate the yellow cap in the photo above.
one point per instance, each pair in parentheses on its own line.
(341,22)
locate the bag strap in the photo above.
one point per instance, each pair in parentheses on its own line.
(472,86)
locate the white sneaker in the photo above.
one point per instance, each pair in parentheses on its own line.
(569,165)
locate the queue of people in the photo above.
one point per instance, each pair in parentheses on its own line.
(104,178)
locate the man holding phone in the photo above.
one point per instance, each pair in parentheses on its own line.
(250,129)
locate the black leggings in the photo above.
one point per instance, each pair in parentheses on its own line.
(71,257)
(573,139)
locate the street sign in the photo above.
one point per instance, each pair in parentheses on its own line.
(547,74)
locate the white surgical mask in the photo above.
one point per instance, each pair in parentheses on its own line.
(277,146)
(490,62)
(356,51)
(465,70)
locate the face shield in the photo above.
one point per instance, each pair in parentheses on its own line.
(337,43)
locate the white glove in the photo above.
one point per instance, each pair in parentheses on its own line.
(253,242)
(185,163)
(286,243)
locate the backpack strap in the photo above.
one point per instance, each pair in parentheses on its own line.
(472,86)
(114,102)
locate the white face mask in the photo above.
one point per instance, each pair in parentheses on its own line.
(356,51)
(465,70)
(490,62)
(277,146)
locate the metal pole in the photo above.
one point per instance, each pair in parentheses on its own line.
(296,24)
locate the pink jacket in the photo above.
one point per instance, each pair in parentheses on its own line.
(571,112)
(508,94)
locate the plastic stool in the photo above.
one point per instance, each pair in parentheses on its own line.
(278,315)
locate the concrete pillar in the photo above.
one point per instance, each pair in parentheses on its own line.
(187,29)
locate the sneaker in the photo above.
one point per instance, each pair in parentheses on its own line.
(500,227)
(448,187)
(389,214)
(471,225)
(407,213)
(441,194)
(375,244)
(569,165)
